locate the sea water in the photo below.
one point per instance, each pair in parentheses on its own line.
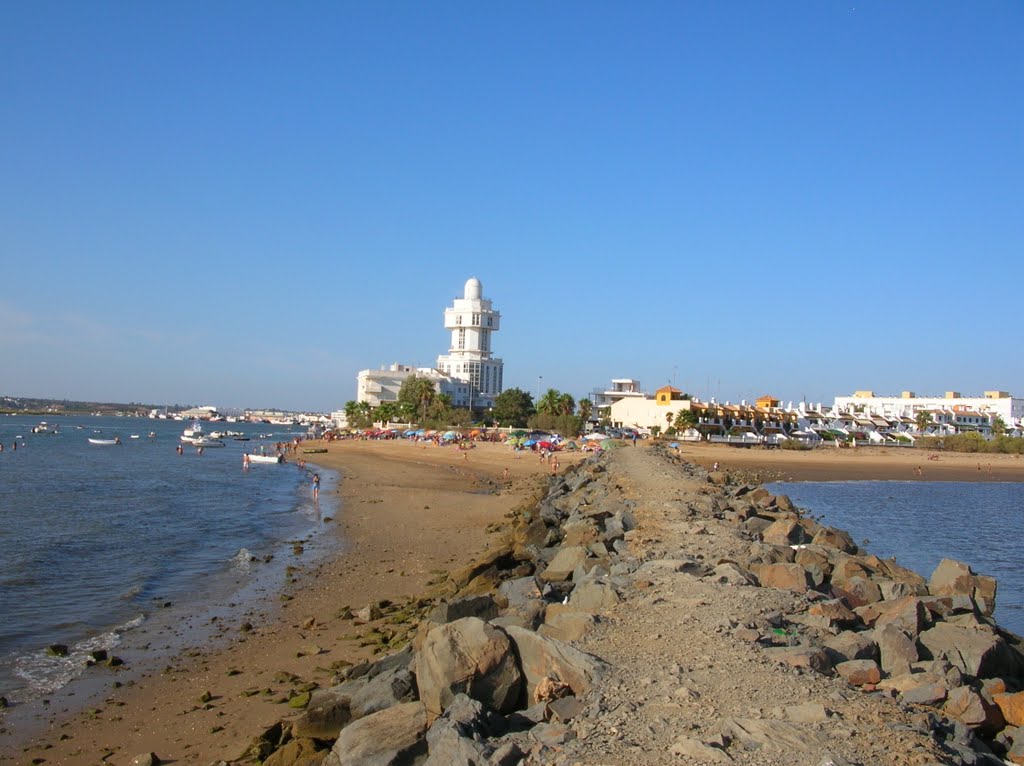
(921,523)
(100,543)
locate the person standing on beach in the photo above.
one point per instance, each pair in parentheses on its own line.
(316,486)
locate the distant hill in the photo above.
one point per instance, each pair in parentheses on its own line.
(24,405)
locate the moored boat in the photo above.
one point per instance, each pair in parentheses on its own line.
(263,458)
(105,442)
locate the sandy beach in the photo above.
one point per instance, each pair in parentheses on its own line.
(858,464)
(404,513)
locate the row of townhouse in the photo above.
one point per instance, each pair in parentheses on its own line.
(860,419)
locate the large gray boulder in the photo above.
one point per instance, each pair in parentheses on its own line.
(546,658)
(457,737)
(564,563)
(382,691)
(977,652)
(390,737)
(593,596)
(954,578)
(468,656)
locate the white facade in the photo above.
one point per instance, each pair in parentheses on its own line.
(961,410)
(472,321)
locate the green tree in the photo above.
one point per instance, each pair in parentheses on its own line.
(550,404)
(998,425)
(416,394)
(386,412)
(585,407)
(513,407)
(358,414)
(685,420)
(923,419)
(566,404)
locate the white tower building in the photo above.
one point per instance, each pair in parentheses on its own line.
(472,320)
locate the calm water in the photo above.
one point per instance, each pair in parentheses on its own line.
(99,543)
(921,523)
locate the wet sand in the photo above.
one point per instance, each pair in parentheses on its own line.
(405,513)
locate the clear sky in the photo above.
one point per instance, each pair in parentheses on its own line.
(244,203)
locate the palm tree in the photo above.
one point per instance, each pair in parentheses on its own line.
(387,412)
(566,404)
(549,404)
(685,420)
(998,425)
(923,419)
(586,407)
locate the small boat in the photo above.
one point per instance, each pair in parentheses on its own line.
(105,442)
(265,458)
(44,428)
(152,434)
(240,438)
(315,451)
(204,442)
(134,436)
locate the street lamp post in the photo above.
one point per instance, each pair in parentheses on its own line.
(540,382)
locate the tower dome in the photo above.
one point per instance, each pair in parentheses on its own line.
(474,290)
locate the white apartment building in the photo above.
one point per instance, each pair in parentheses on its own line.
(953,408)
(468,373)
(472,321)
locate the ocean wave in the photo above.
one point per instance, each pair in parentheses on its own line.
(243,560)
(44,673)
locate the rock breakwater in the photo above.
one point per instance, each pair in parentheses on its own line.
(645,611)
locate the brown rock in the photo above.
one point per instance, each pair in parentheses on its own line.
(974,710)
(394,735)
(543,657)
(297,752)
(784,532)
(835,538)
(564,563)
(471,657)
(859,672)
(1012,707)
(896,648)
(954,578)
(784,576)
(831,614)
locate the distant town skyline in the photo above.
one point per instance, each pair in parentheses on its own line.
(244,205)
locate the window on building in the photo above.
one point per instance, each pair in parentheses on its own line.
(458,319)
(476,320)
(462,338)
(485,340)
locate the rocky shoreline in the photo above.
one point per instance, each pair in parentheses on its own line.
(642,610)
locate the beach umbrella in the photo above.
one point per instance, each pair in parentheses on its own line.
(570,446)
(609,444)
(448,435)
(518,434)
(674,445)
(475,432)
(529,443)
(545,445)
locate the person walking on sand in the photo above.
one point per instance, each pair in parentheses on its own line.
(316,486)
(504,474)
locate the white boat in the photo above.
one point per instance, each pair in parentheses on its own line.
(195,436)
(205,442)
(104,442)
(264,458)
(44,428)
(134,436)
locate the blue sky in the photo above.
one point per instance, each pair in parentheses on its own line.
(243,204)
